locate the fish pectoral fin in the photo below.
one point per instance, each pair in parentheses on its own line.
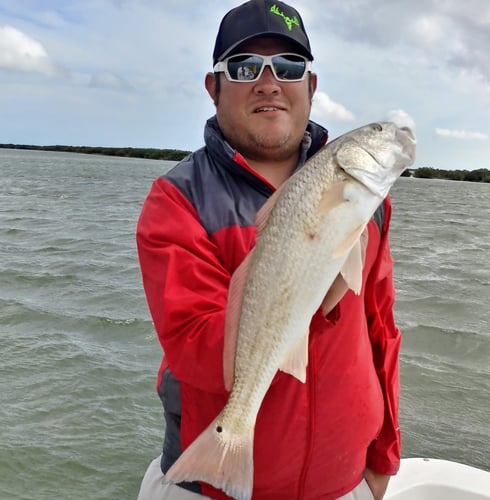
(232,318)
(350,275)
(352,269)
(296,359)
(349,242)
(334,294)
(332,197)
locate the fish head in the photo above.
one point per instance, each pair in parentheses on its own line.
(376,154)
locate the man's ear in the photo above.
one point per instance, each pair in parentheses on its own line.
(210,84)
(313,84)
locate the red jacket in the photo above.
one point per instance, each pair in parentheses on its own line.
(312,440)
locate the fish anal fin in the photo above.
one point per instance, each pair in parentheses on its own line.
(296,359)
(218,458)
(232,319)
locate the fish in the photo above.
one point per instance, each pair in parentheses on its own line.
(311,233)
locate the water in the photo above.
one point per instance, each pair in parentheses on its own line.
(79,417)
(441,244)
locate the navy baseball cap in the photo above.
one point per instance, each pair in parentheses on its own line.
(260,18)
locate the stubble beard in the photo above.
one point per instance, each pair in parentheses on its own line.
(265,147)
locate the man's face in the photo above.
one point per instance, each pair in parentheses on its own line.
(266,119)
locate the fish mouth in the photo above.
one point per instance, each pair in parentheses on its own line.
(406,130)
(406,137)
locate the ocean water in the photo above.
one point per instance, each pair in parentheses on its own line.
(79,418)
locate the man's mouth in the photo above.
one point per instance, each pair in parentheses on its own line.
(264,109)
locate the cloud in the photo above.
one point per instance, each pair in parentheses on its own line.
(429,29)
(109,81)
(464,135)
(401,118)
(325,108)
(452,35)
(20,52)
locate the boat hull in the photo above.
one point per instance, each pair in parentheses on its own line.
(432,479)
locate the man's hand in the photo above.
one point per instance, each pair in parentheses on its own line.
(377,483)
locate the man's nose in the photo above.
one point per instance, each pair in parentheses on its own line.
(267,82)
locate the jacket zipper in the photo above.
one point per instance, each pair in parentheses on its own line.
(311,423)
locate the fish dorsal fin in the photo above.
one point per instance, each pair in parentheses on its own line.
(332,197)
(235,295)
(352,269)
(263,213)
(232,319)
(296,359)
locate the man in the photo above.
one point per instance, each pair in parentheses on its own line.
(336,436)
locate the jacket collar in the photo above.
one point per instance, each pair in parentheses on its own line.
(224,155)
(217,144)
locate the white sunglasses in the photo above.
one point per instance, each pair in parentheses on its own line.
(249,67)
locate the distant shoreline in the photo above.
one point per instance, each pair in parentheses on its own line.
(480,175)
(147,153)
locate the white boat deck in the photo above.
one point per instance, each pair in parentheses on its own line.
(431,479)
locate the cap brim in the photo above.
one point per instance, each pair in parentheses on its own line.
(236,47)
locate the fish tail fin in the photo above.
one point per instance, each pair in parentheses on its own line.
(217,458)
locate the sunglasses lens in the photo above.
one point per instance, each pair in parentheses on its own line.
(289,67)
(247,67)
(244,67)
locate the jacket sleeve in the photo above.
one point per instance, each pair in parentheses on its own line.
(384,453)
(186,286)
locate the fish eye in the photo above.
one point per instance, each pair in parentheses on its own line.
(377,127)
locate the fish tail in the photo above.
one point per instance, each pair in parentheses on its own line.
(218,458)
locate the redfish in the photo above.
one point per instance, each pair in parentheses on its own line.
(310,231)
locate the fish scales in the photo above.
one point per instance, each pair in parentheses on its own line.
(285,257)
(312,232)
(288,259)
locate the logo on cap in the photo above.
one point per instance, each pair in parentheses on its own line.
(290,21)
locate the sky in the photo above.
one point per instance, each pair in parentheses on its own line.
(130,73)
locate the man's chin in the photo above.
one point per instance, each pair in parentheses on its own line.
(269,138)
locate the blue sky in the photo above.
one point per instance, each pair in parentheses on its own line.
(131,72)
